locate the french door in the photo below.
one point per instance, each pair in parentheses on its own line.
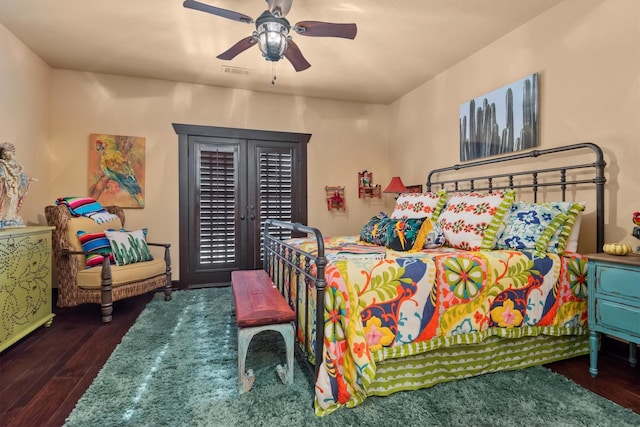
(231,181)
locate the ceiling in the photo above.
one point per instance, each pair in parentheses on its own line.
(400,43)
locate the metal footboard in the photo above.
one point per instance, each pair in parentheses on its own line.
(288,266)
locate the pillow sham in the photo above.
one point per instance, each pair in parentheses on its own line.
(128,247)
(530,226)
(558,242)
(98,247)
(419,205)
(472,221)
(572,242)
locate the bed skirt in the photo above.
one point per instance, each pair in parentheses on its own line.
(468,360)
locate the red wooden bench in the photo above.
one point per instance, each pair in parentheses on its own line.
(260,307)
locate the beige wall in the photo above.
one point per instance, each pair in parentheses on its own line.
(587,54)
(346,138)
(24,117)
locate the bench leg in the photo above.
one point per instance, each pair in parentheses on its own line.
(246,379)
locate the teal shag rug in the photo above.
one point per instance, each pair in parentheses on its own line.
(177,366)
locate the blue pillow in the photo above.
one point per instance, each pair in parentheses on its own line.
(530,226)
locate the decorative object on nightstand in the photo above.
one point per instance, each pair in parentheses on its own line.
(636,230)
(396,186)
(614,302)
(620,249)
(335,197)
(366,188)
(25,282)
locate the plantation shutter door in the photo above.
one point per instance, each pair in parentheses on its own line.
(275,187)
(216,209)
(231,181)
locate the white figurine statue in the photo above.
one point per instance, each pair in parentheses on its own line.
(14,185)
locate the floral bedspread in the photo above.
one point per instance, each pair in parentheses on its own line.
(374,304)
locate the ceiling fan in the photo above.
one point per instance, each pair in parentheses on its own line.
(272,32)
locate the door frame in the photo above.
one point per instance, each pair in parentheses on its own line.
(185,131)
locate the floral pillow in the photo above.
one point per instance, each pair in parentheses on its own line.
(98,247)
(419,205)
(472,221)
(435,236)
(129,247)
(530,226)
(559,241)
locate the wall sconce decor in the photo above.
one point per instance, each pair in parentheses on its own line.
(335,198)
(366,188)
(396,186)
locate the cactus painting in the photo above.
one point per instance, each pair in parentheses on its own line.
(501,121)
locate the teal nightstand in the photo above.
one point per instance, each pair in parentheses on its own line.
(614,302)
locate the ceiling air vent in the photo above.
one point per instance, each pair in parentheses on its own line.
(236,70)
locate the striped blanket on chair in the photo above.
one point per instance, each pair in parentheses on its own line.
(86,206)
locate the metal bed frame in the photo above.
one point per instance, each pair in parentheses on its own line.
(283,261)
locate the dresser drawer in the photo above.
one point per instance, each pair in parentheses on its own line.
(618,281)
(613,315)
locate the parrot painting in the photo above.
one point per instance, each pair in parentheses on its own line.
(117,168)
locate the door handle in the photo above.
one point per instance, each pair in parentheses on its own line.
(251,210)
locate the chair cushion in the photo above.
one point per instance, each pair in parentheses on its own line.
(90,278)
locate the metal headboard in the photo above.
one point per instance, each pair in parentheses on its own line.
(532,180)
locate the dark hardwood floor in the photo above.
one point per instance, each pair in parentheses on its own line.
(43,376)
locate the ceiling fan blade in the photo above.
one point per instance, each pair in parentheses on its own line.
(326,29)
(229,14)
(279,8)
(238,48)
(294,56)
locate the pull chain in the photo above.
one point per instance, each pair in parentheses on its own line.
(273,72)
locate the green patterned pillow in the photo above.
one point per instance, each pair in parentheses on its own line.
(530,226)
(473,221)
(128,247)
(560,239)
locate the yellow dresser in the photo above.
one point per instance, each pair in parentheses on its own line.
(25,282)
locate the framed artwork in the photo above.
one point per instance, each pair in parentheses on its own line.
(117,169)
(414,188)
(501,121)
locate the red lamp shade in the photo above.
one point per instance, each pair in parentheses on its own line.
(396,186)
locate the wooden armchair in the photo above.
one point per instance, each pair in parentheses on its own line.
(103,283)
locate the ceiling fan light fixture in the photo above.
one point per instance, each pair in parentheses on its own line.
(273,36)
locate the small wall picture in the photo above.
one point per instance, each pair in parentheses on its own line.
(417,188)
(501,121)
(117,169)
